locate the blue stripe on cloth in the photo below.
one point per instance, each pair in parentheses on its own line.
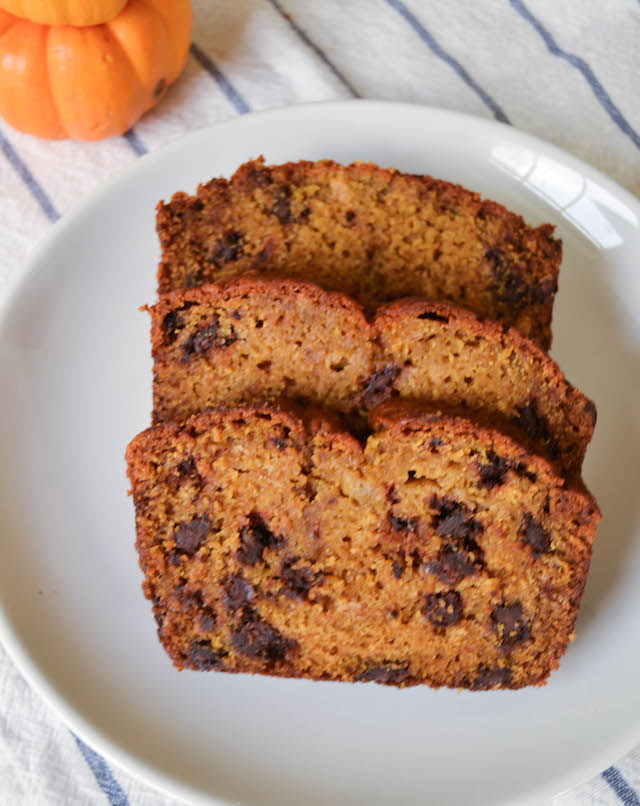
(36,189)
(315,48)
(103,775)
(441,53)
(135,142)
(621,786)
(223,82)
(575,61)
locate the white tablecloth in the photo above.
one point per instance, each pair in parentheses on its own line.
(565,71)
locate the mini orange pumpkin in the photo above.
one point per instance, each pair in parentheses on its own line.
(92,82)
(64,12)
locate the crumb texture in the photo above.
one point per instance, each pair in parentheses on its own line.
(376,234)
(266,337)
(440,551)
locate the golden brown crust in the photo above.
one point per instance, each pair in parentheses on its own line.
(441,552)
(266,337)
(374,233)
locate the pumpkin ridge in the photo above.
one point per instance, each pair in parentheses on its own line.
(52,95)
(157,12)
(11,19)
(159,15)
(179,57)
(124,52)
(167,30)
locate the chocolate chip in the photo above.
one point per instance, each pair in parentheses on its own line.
(207,620)
(173,321)
(188,471)
(171,324)
(184,598)
(491,678)
(591,411)
(387,673)
(351,217)
(435,442)
(523,471)
(543,293)
(493,474)
(416,559)
(281,440)
(535,425)
(230,339)
(174,558)
(281,208)
(205,339)
(204,658)
(201,341)
(531,532)
(190,600)
(190,534)
(311,491)
(402,524)
(238,593)
(455,562)
(397,568)
(509,287)
(392,495)
(495,256)
(508,623)
(433,316)
(453,518)
(297,580)
(255,537)
(257,639)
(443,609)
(227,248)
(260,177)
(188,467)
(379,386)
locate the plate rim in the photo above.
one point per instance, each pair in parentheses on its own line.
(20,278)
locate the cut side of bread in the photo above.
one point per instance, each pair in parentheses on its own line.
(258,337)
(441,552)
(373,233)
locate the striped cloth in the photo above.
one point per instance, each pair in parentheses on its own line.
(566,72)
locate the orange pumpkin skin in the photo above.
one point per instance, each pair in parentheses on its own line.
(64,12)
(93,82)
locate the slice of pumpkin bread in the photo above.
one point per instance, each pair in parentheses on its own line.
(442,552)
(264,337)
(375,234)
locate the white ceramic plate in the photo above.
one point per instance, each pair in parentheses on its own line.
(76,380)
